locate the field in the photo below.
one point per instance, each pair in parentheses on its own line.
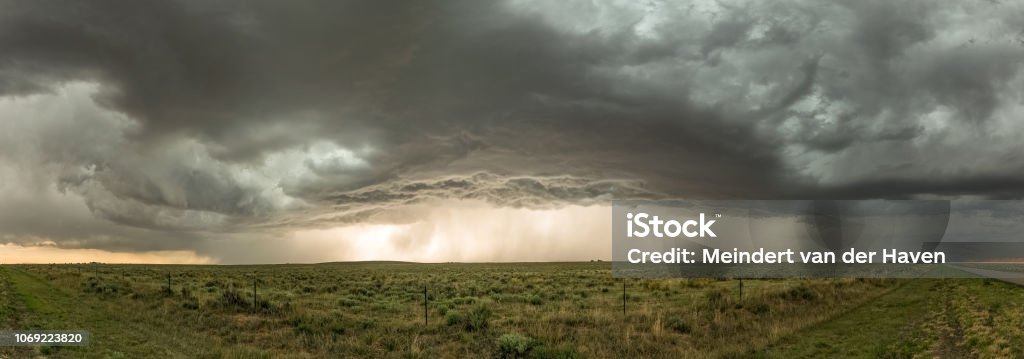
(516,310)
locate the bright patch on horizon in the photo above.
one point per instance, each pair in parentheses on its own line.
(16,254)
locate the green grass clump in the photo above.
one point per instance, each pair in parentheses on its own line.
(513,345)
(478,319)
(535,300)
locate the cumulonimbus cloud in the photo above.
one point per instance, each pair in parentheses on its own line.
(202,119)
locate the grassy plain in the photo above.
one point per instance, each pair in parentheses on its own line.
(514,310)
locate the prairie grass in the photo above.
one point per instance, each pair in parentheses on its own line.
(515,310)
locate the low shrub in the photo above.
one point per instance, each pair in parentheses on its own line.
(453,317)
(442,309)
(678,324)
(478,318)
(800,292)
(233,299)
(514,345)
(535,300)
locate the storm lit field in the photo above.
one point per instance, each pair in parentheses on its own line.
(534,310)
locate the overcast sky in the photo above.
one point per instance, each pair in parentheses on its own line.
(275,131)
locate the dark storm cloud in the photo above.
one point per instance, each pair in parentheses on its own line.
(530,192)
(374,203)
(996,187)
(214,117)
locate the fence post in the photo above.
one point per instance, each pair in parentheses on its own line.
(426,321)
(741,290)
(254,292)
(169,282)
(623,296)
